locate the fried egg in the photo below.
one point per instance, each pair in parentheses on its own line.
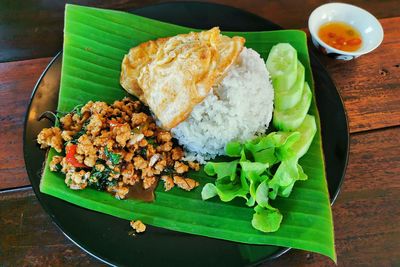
(172,75)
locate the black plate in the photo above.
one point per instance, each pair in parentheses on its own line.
(106,237)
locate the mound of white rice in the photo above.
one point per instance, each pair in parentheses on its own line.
(239,108)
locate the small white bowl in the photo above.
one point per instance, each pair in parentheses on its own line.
(369,27)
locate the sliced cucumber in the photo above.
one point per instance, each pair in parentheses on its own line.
(281,59)
(285,99)
(307,131)
(290,119)
(282,66)
(285,82)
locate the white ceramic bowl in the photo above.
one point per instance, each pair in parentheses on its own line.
(369,27)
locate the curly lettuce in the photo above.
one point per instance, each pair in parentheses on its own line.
(262,169)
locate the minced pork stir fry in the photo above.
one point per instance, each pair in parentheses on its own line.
(112,147)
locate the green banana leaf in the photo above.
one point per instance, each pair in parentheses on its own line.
(95,41)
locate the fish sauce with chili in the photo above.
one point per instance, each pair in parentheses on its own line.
(341,36)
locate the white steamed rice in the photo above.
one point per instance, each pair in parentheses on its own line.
(239,108)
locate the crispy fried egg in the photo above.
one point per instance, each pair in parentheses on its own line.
(172,75)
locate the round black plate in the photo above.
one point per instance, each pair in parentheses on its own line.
(106,237)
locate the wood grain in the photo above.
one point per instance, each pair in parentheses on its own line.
(370,85)
(33,29)
(17,80)
(29,238)
(366,211)
(366,216)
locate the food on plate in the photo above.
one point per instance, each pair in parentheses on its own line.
(267,166)
(239,108)
(262,169)
(91,71)
(340,35)
(292,94)
(290,119)
(230,113)
(196,84)
(216,97)
(288,98)
(138,226)
(117,148)
(282,65)
(171,75)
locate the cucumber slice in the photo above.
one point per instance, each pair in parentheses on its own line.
(307,131)
(284,82)
(282,66)
(281,59)
(288,99)
(290,119)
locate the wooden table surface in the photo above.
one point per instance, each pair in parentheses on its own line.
(367,211)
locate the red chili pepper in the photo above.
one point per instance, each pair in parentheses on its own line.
(70,151)
(114,124)
(354,41)
(340,41)
(331,35)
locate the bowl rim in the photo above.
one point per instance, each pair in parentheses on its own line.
(314,35)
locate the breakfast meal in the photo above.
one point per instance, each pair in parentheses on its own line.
(205,132)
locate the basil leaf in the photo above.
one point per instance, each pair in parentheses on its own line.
(99,179)
(113,157)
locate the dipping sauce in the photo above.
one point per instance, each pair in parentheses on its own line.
(341,36)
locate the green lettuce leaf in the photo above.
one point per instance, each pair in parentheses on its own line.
(262,194)
(228,189)
(252,171)
(284,143)
(266,156)
(261,143)
(221,169)
(228,184)
(288,172)
(266,219)
(209,191)
(253,167)
(233,149)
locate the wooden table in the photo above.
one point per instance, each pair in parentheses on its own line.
(366,213)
